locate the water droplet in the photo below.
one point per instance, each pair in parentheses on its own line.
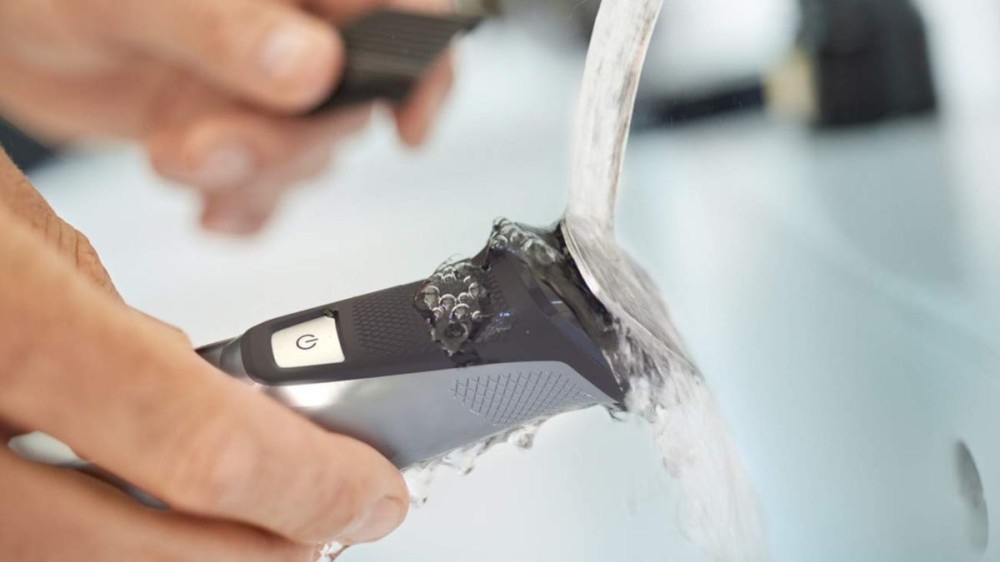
(461,312)
(431,300)
(455,331)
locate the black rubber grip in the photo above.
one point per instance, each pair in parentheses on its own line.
(387,53)
(383,334)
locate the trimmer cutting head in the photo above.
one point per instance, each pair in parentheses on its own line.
(421,369)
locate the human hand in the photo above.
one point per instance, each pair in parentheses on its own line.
(211,89)
(246,479)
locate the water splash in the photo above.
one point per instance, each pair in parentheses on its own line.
(720,513)
(455,303)
(460,309)
(331,551)
(420,478)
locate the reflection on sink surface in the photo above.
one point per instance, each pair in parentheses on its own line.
(837,292)
(860,332)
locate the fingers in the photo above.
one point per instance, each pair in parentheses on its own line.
(28,205)
(233,148)
(264,51)
(244,162)
(24,201)
(145,407)
(90,521)
(246,211)
(415,119)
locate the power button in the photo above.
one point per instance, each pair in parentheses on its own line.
(308,344)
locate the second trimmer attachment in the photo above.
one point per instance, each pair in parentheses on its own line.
(388,52)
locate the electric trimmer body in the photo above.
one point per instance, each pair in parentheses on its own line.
(369,367)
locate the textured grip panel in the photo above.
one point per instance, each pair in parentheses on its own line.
(387,324)
(512,398)
(388,51)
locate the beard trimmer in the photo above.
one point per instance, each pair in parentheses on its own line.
(368,367)
(417,371)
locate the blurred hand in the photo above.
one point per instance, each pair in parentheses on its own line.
(246,478)
(211,88)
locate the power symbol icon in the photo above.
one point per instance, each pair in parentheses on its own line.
(306,342)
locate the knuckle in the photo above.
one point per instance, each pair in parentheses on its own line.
(340,497)
(215,29)
(335,509)
(80,246)
(353,492)
(211,465)
(78,249)
(84,255)
(346,503)
(65,238)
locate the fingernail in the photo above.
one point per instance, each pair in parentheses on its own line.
(377,522)
(226,166)
(287,49)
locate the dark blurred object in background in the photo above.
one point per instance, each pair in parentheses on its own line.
(557,19)
(869,60)
(854,62)
(675,111)
(26,152)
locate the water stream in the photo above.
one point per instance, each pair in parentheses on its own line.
(720,513)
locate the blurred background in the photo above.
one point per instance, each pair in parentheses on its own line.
(813,183)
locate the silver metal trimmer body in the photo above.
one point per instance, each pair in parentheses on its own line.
(369,368)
